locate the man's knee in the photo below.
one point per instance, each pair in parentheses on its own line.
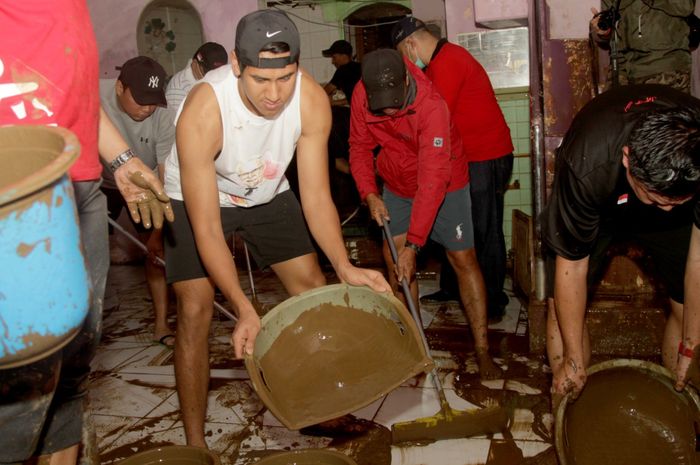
(195,301)
(464,261)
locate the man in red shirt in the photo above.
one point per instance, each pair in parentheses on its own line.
(426,180)
(486,143)
(49,76)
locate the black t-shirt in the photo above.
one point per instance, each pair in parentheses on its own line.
(346,77)
(590,183)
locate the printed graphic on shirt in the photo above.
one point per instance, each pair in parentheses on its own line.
(19,96)
(251,175)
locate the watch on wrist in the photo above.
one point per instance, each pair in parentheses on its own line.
(411,245)
(121,160)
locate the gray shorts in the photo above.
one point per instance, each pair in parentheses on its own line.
(453,226)
(274,232)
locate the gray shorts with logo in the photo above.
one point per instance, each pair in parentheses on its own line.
(453,226)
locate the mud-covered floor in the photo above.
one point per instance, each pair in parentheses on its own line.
(134,405)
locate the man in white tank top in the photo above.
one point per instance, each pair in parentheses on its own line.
(236,134)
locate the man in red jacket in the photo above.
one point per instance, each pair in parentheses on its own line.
(486,143)
(425,174)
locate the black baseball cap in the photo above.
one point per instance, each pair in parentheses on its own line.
(384,76)
(404,28)
(211,56)
(342,47)
(145,78)
(259,28)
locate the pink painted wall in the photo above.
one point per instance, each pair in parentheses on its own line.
(115,26)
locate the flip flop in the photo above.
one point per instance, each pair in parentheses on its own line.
(167,337)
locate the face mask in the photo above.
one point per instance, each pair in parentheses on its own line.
(418,62)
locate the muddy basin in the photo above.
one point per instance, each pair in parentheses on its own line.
(308,457)
(173,455)
(331,351)
(628,414)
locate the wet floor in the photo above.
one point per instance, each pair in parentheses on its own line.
(134,405)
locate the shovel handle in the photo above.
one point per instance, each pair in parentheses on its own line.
(414,311)
(161,262)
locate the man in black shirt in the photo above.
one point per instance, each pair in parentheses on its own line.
(629,167)
(347,72)
(346,75)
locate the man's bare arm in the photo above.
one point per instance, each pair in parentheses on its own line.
(319,210)
(570,293)
(199,138)
(140,187)
(691,307)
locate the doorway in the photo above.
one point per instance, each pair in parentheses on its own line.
(369,28)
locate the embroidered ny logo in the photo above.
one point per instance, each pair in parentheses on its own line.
(153,82)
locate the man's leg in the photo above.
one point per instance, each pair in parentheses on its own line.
(488,183)
(300,274)
(473,294)
(195,300)
(63,429)
(158,288)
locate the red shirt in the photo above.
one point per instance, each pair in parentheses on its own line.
(49,72)
(421,156)
(465,86)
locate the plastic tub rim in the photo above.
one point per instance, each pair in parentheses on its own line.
(606,365)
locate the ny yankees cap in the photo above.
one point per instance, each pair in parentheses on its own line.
(384,76)
(259,28)
(145,78)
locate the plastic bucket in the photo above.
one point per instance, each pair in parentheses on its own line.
(331,351)
(627,414)
(44,286)
(308,457)
(173,455)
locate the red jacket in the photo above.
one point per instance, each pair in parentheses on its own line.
(421,154)
(466,88)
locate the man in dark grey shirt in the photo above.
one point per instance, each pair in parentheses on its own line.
(629,167)
(136,103)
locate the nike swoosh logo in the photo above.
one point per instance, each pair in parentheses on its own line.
(272,34)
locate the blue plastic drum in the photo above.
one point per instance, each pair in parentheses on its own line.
(44,286)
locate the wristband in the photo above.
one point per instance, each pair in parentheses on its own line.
(121,160)
(685,351)
(411,245)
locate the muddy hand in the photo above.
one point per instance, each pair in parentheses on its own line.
(244,334)
(144,195)
(570,377)
(377,208)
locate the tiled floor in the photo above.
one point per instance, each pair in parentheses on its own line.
(134,405)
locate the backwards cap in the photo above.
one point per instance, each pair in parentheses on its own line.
(211,56)
(404,28)
(259,28)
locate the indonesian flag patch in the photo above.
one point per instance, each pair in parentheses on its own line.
(437,142)
(622,199)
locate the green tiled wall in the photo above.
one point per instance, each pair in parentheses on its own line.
(516,110)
